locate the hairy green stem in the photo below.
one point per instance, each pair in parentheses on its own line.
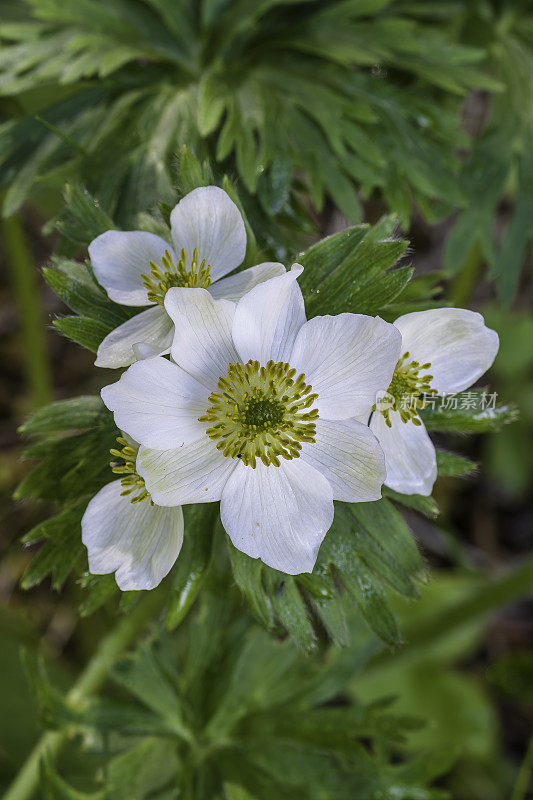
(25,287)
(89,682)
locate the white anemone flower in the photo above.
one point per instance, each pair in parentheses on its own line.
(137,268)
(126,533)
(445,350)
(258,412)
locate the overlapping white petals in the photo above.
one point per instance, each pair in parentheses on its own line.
(202,341)
(268,318)
(410,457)
(236,286)
(193,473)
(347,359)
(208,220)
(146,334)
(157,403)
(348,454)
(118,260)
(455,341)
(138,541)
(279,515)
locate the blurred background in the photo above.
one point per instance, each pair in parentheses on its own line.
(475,684)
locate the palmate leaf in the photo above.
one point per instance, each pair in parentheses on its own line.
(250,702)
(500,168)
(365,96)
(368,546)
(349,271)
(74,437)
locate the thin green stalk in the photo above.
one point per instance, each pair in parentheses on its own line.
(24,280)
(465,282)
(524,774)
(90,681)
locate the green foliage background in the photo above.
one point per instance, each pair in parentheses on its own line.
(250,684)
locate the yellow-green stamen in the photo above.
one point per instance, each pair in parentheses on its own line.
(408,391)
(160,280)
(131,480)
(261,413)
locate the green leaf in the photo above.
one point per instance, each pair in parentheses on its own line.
(98,590)
(79,413)
(326,255)
(211,103)
(468,412)
(83,219)
(70,466)
(62,548)
(356,536)
(384,521)
(84,300)
(425,505)
(290,609)
(360,583)
(248,574)
(349,271)
(454,465)
(83,330)
(192,174)
(193,561)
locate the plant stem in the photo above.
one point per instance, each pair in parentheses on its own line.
(522,780)
(465,282)
(89,682)
(25,287)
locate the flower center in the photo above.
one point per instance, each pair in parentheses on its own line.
(407,391)
(261,412)
(131,480)
(159,281)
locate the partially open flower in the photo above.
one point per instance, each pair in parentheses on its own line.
(444,351)
(125,532)
(137,268)
(258,412)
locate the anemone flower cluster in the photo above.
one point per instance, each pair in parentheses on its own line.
(231,395)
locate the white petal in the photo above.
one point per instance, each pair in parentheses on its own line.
(268,318)
(137,540)
(455,341)
(278,514)
(157,403)
(194,473)
(410,458)
(202,339)
(234,287)
(208,220)
(347,359)
(143,350)
(348,454)
(151,328)
(119,258)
